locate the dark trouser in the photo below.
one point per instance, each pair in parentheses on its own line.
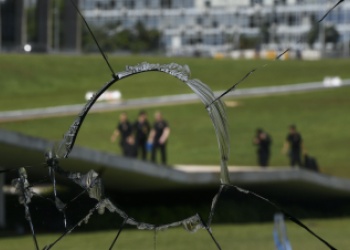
(162,148)
(263,159)
(295,158)
(141,144)
(122,145)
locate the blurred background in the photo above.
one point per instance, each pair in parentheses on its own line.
(216,28)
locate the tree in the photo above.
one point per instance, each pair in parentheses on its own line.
(264,32)
(105,37)
(32,29)
(110,38)
(331,35)
(145,40)
(313,34)
(249,42)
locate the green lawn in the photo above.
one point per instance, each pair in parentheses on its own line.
(322,117)
(29,81)
(233,236)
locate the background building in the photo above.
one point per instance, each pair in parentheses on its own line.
(186,26)
(224,25)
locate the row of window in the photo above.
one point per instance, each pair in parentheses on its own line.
(173,4)
(136,4)
(226,21)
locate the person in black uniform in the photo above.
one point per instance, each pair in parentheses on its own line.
(159,136)
(123,130)
(263,142)
(142,129)
(130,147)
(294,146)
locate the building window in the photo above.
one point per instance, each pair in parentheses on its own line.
(207,4)
(165,4)
(280,2)
(112,4)
(129,4)
(291,19)
(199,21)
(253,2)
(251,22)
(98,5)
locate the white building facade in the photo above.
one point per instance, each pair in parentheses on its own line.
(218,25)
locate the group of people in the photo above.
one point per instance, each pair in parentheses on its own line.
(139,138)
(293,145)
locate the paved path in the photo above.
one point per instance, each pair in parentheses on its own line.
(216,169)
(160,101)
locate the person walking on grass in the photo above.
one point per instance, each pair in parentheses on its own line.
(158,137)
(142,129)
(123,130)
(263,141)
(294,146)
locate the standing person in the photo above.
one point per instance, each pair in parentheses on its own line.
(123,130)
(294,146)
(159,136)
(263,142)
(130,147)
(142,129)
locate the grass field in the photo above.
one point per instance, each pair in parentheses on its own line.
(234,236)
(29,81)
(322,118)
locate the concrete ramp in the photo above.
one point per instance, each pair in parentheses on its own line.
(132,175)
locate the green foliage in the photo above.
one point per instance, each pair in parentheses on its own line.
(313,34)
(248,42)
(123,39)
(106,38)
(264,32)
(331,34)
(111,39)
(31,25)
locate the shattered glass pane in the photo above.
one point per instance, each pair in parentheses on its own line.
(91,183)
